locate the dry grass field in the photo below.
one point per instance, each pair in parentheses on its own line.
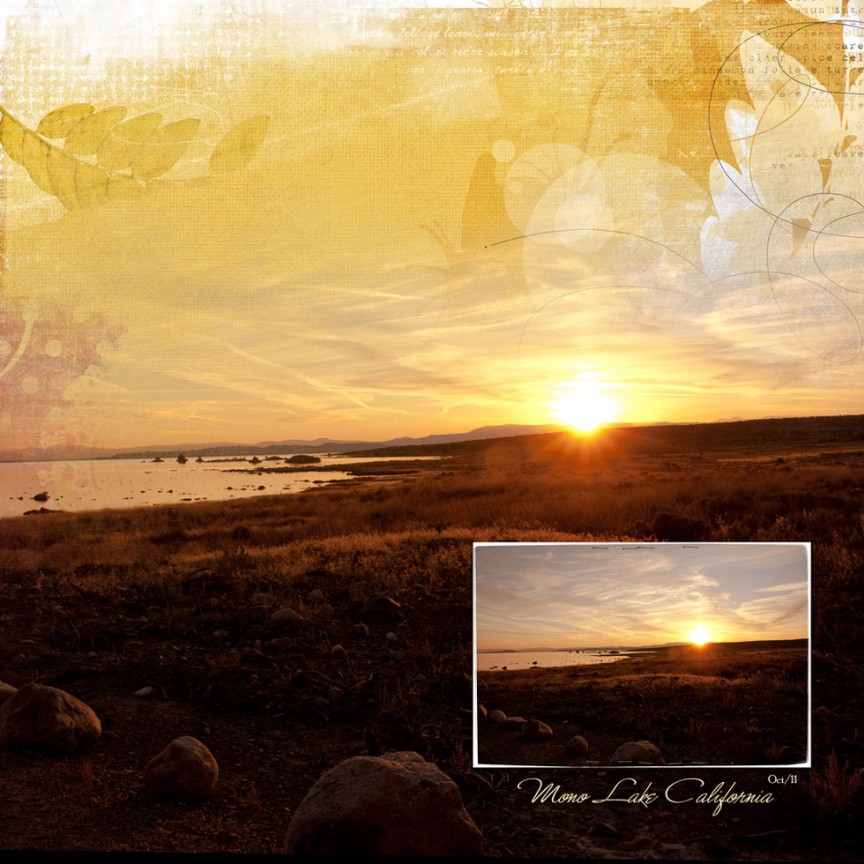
(180,598)
(726,704)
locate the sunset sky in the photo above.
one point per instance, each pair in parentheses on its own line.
(367,274)
(592,595)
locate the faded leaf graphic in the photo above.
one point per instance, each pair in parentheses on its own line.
(129,153)
(76,183)
(86,138)
(123,142)
(163,148)
(238,146)
(59,123)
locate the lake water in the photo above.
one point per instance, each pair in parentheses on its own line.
(526,659)
(94,484)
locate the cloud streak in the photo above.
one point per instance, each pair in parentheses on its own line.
(526,593)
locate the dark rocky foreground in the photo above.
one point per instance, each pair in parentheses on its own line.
(276,698)
(278,703)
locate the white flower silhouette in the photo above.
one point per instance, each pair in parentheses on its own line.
(790,212)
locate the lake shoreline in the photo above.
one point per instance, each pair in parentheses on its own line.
(89,485)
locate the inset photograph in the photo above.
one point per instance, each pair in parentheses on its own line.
(663,654)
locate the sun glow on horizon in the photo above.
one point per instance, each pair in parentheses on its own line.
(584,404)
(699,635)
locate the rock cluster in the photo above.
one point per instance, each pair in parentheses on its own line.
(52,720)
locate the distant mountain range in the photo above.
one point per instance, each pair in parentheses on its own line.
(265,448)
(831,432)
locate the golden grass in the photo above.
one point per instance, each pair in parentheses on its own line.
(385,532)
(834,788)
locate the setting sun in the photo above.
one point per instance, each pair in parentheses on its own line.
(584,404)
(699,635)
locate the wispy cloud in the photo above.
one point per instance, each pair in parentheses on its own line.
(527,592)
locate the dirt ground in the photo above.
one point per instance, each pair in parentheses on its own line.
(257,699)
(260,697)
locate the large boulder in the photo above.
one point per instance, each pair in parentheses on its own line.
(638,751)
(47,718)
(185,769)
(397,804)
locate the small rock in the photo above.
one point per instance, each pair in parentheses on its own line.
(576,746)
(334,694)
(259,598)
(481,710)
(537,730)
(497,716)
(185,769)
(391,637)
(518,722)
(285,615)
(219,634)
(316,595)
(361,629)
(391,805)
(7,691)
(49,719)
(638,751)
(144,691)
(338,651)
